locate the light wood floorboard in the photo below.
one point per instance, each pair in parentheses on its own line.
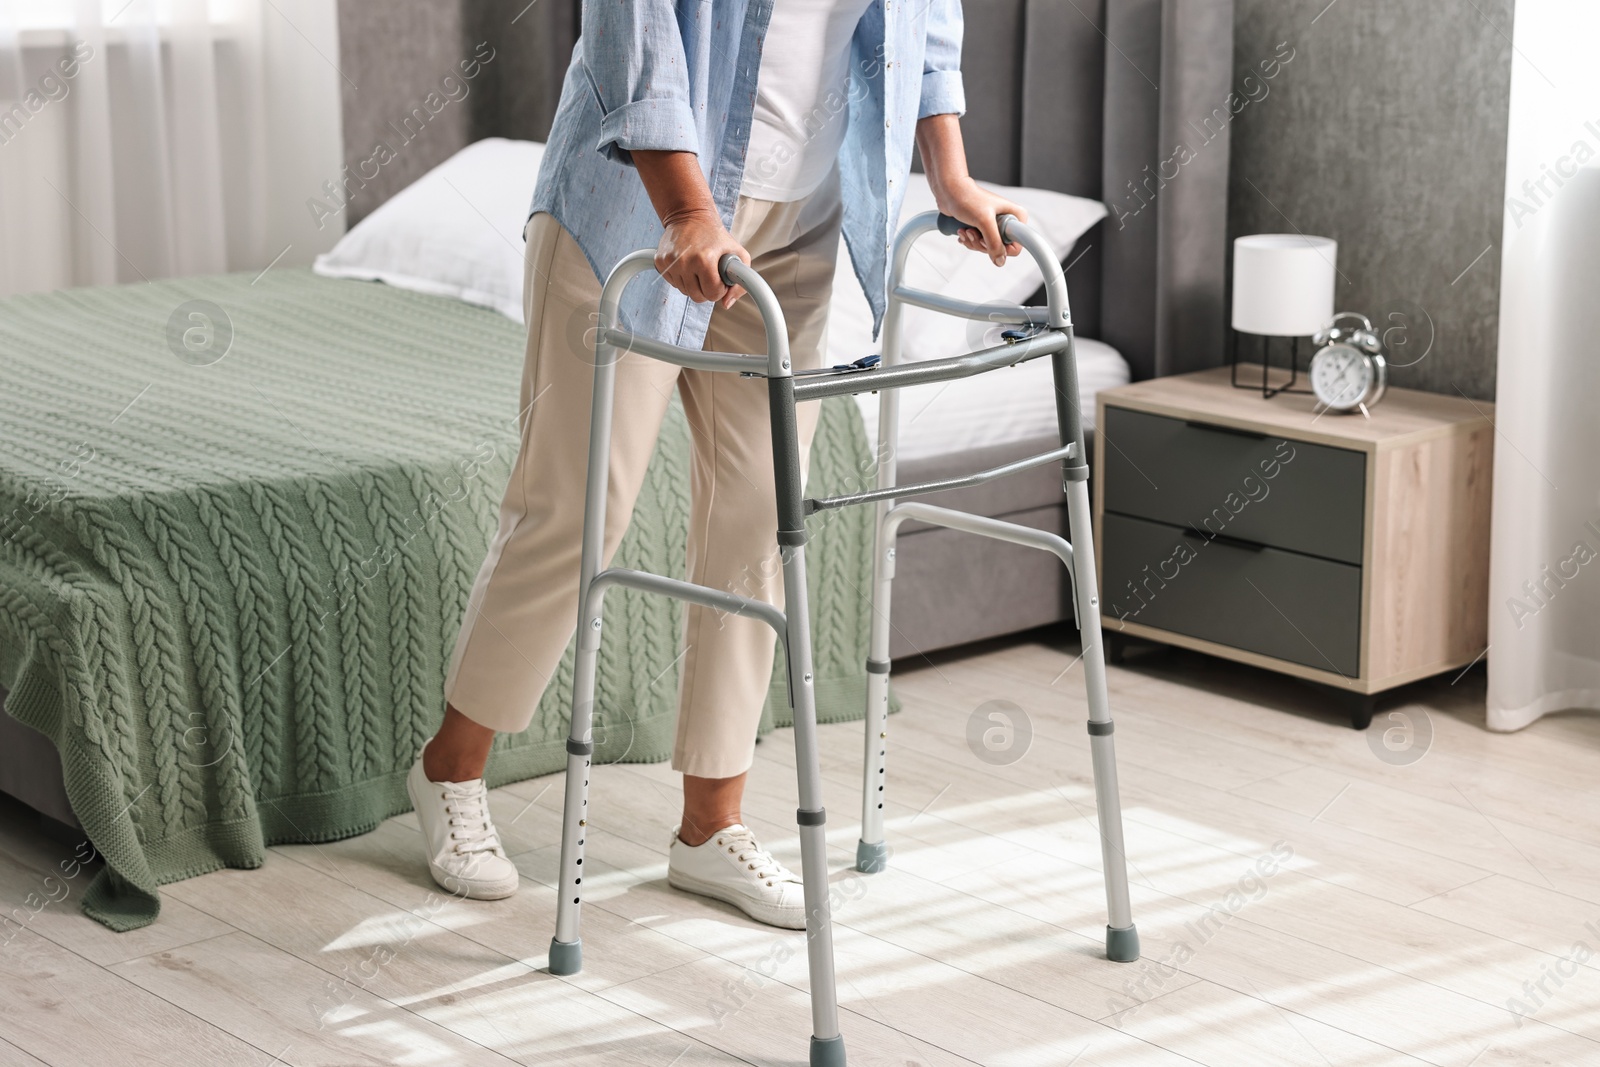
(1441,911)
(12,1056)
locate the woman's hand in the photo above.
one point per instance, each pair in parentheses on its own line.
(976,206)
(945,160)
(693,239)
(693,243)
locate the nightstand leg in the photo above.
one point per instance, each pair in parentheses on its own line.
(1116,647)
(1362,706)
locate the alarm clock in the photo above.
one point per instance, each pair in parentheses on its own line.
(1348,372)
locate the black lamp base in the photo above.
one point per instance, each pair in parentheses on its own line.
(1268,391)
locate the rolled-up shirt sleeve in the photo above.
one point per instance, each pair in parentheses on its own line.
(634,57)
(942,89)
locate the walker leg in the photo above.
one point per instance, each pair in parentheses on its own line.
(827,1045)
(872,852)
(566,948)
(1122,938)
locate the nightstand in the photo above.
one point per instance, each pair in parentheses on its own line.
(1346,550)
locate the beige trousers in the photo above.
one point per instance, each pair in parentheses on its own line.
(524,604)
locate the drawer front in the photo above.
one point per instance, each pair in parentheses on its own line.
(1287,494)
(1282,604)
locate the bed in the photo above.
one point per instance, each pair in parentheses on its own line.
(431,237)
(231,575)
(194,720)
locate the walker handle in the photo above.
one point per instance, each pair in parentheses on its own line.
(725,267)
(949,225)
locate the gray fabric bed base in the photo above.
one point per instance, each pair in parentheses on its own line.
(946,594)
(30,769)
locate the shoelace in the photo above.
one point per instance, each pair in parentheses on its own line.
(470,828)
(742,843)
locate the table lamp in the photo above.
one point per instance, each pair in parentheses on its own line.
(1282,287)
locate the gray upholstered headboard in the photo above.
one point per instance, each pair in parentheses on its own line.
(1089,97)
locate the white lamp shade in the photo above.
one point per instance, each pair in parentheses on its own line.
(1283,283)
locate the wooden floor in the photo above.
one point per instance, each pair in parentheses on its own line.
(1443,910)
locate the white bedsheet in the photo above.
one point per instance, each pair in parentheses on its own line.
(457,232)
(996,408)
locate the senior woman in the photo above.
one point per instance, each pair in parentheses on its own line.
(761,128)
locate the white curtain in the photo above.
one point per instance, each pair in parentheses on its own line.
(1544,581)
(142,139)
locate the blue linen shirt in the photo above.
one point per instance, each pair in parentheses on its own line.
(681,75)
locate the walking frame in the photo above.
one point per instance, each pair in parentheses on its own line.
(1038,332)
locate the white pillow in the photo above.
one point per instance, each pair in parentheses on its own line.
(456,231)
(939,264)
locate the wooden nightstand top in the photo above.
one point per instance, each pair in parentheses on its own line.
(1402,417)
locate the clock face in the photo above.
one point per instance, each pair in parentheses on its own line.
(1341,376)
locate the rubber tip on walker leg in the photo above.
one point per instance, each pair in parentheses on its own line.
(566,957)
(827,1052)
(1122,946)
(870,859)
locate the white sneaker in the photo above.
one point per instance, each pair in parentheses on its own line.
(464,851)
(730,866)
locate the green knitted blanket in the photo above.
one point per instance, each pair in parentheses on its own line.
(229,586)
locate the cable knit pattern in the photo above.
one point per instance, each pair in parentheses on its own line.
(228,593)
(109,538)
(411,685)
(313,709)
(352,612)
(208,735)
(251,591)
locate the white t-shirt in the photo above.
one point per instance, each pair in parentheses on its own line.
(801,102)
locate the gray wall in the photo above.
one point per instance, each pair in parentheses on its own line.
(1386,132)
(395,52)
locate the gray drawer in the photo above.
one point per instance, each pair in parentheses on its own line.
(1287,494)
(1282,604)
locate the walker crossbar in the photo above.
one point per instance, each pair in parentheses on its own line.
(984,526)
(951,368)
(793,624)
(965,309)
(627,341)
(717,599)
(923,488)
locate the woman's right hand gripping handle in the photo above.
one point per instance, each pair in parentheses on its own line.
(693,239)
